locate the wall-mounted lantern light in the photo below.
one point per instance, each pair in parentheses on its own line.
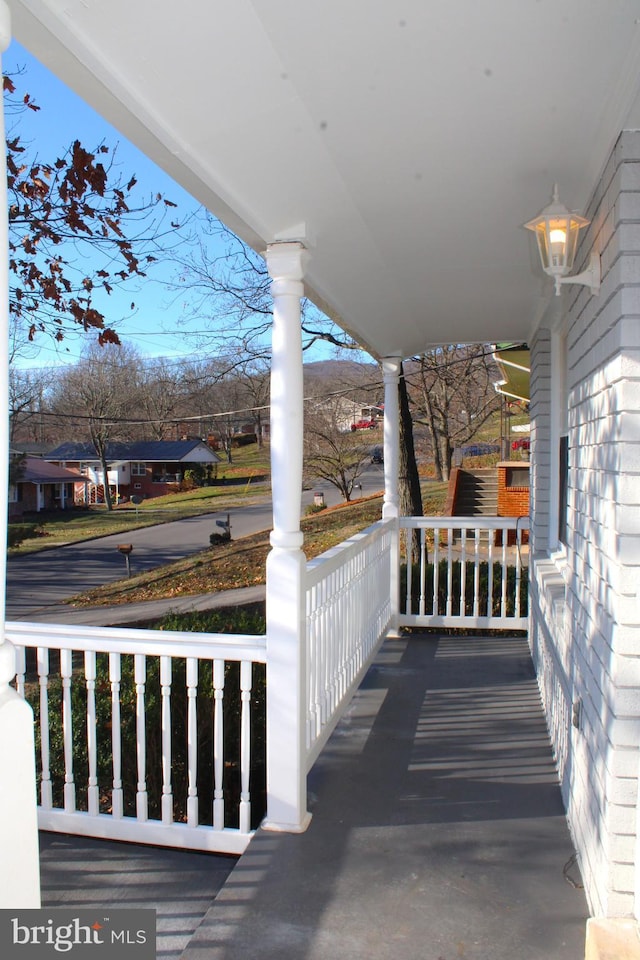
(556,230)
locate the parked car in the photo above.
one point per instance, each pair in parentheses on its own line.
(364,425)
(522,443)
(377,455)
(479,449)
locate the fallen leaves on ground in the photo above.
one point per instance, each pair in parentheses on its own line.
(240,563)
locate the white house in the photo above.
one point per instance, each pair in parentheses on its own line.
(350,414)
(385,157)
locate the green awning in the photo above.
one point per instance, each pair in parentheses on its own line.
(514,363)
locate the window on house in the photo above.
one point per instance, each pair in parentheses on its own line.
(559,519)
(138,469)
(13,493)
(563,486)
(517,477)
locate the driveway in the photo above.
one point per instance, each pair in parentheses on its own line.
(40,580)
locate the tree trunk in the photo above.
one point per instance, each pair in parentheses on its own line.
(430,424)
(409,492)
(408,480)
(445,456)
(101,450)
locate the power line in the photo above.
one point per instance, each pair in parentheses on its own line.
(345,391)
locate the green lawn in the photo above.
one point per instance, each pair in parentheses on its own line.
(247,466)
(96,521)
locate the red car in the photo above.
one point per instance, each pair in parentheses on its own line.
(523,443)
(364,425)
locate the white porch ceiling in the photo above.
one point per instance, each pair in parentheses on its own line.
(409,140)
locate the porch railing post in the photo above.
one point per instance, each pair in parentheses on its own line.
(636,872)
(286,563)
(20,876)
(391,506)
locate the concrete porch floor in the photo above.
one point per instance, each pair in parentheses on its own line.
(438,832)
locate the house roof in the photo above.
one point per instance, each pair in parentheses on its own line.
(406,142)
(146,451)
(36,470)
(28,449)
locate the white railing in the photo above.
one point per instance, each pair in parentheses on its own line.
(348,591)
(158,736)
(465,572)
(139,742)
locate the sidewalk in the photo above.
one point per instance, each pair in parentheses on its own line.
(129,614)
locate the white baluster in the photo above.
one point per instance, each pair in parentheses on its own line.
(503,597)
(436,571)
(409,550)
(476,574)
(140,679)
(115,677)
(313,664)
(192,742)
(490,574)
(245,745)
(516,609)
(343,629)
(93,804)
(423,570)
(21,669)
(46,791)
(463,573)
(450,572)
(218,744)
(165,693)
(327,650)
(66,671)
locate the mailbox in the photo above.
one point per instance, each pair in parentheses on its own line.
(126,550)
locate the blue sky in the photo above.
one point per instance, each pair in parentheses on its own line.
(63,118)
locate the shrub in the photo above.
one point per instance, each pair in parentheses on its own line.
(18,532)
(456,581)
(195,476)
(242,440)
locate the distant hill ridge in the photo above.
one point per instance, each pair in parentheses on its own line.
(342,370)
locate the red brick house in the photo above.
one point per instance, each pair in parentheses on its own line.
(143,468)
(40,485)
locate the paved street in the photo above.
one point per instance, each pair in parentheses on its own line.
(41,580)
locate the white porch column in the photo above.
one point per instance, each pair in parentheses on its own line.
(391,374)
(286,563)
(20,871)
(391,504)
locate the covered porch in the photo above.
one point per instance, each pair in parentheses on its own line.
(438,831)
(397,164)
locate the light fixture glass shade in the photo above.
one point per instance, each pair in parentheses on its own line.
(556,230)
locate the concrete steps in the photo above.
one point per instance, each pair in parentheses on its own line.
(476,494)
